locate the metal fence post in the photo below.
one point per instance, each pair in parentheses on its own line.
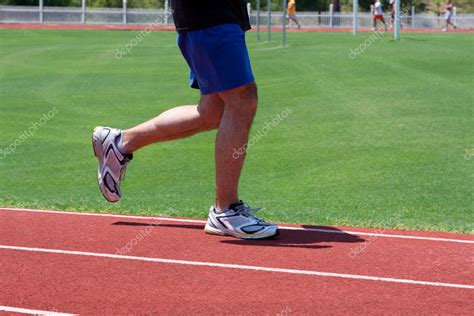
(269,19)
(258,19)
(283,23)
(41,8)
(124,13)
(167,12)
(83,12)
(355,27)
(396,30)
(331,11)
(413,16)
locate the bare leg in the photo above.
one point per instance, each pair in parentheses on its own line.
(296,21)
(239,111)
(233,119)
(178,122)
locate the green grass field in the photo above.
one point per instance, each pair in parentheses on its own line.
(376,141)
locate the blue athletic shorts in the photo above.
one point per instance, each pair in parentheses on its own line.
(217,56)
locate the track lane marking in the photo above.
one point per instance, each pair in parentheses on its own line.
(31,311)
(239,266)
(170,219)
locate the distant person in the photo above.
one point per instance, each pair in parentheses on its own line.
(448,14)
(392,15)
(291,14)
(378,15)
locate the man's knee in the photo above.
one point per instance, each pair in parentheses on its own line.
(213,120)
(249,93)
(250,100)
(211,108)
(243,100)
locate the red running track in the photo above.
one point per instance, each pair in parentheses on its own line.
(138,27)
(113,264)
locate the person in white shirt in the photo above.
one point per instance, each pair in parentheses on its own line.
(378,14)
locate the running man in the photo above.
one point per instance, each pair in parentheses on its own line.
(291,14)
(378,15)
(448,14)
(211,37)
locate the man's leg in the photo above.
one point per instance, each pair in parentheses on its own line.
(383,22)
(113,148)
(295,19)
(178,122)
(239,111)
(447,25)
(230,216)
(232,111)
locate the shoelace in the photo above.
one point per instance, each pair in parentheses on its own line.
(247,211)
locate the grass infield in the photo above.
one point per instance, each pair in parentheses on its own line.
(380,139)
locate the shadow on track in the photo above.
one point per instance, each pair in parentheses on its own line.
(302,238)
(292,238)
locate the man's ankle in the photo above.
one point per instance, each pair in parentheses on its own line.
(222,207)
(124,144)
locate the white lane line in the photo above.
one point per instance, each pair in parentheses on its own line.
(31,311)
(239,266)
(171,219)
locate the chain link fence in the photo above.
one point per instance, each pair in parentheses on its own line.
(72,15)
(77,15)
(345,20)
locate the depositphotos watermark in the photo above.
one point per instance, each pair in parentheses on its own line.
(380,32)
(140,36)
(284,312)
(469,153)
(376,34)
(142,235)
(373,238)
(261,133)
(28,133)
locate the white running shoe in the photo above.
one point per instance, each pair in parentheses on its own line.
(112,163)
(239,221)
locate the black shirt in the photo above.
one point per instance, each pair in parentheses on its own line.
(191,15)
